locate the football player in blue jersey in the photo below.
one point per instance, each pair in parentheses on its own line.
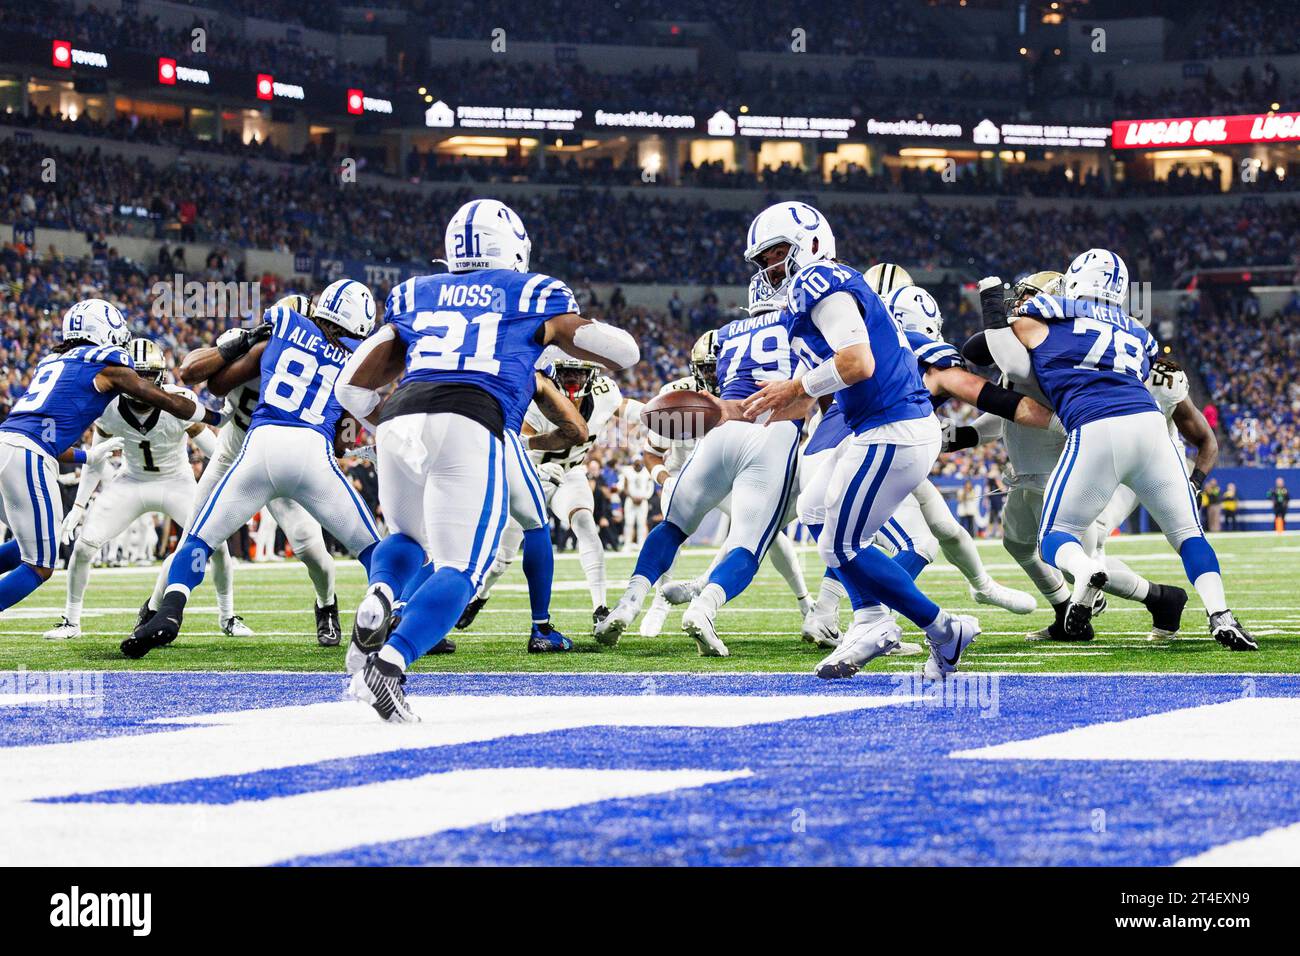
(1091,359)
(856,352)
(755,465)
(69,390)
(465,345)
(290,448)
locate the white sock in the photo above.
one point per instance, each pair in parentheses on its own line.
(1125,583)
(870,614)
(78,578)
(160,585)
(829,597)
(637,588)
(223,579)
(710,599)
(786,561)
(511,538)
(181,588)
(965,557)
(591,554)
(1210,587)
(1074,561)
(392,655)
(937,630)
(320,568)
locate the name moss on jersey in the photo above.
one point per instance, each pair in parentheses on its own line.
(154,442)
(597,408)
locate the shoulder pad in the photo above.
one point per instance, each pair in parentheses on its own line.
(543,295)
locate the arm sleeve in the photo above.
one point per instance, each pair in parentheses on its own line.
(839,320)
(206,442)
(988,427)
(90,477)
(1010,354)
(361,402)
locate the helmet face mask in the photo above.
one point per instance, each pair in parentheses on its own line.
(575,379)
(1045,282)
(808,237)
(148,360)
(704,362)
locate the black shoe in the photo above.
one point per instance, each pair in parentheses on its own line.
(1165,602)
(145,613)
(379,684)
(444,646)
(1228,632)
(545,639)
(370,639)
(1078,616)
(328,629)
(471,611)
(160,630)
(599,615)
(1056,630)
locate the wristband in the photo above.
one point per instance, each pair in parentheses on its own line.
(661,470)
(1198,478)
(999,401)
(78,456)
(993,303)
(823,380)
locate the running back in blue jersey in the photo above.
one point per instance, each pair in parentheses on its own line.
(299,368)
(895,391)
(478,328)
(61,401)
(752,351)
(1095,359)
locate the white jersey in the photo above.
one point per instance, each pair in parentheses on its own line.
(636,484)
(1032,453)
(1169,388)
(673,452)
(154,445)
(599,406)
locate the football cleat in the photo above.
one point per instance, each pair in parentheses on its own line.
(63,631)
(682,592)
(1078,616)
(1056,630)
(905,649)
(444,646)
(545,639)
(821,629)
(1165,602)
(471,611)
(234,626)
(329,632)
(653,622)
(160,630)
(379,684)
(861,645)
(611,625)
(999,595)
(143,614)
(1227,630)
(598,615)
(945,657)
(370,628)
(1099,606)
(699,625)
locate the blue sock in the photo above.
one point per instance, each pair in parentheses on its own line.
(365,556)
(734,571)
(394,561)
(661,546)
(539,569)
(881,581)
(1051,543)
(816,531)
(17,584)
(1198,558)
(416,581)
(431,612)
(10,557)
(190,562)
(911,562)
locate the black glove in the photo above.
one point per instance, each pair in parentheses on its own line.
(237,342)
(1198,479)
(260,334)
(993,303)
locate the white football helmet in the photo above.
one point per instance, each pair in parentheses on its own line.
(97,322)
(348,304)
(886,277)
(1097,274)
(487,234)
(915,310)
(796,223)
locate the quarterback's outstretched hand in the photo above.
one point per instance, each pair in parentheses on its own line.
(777,401)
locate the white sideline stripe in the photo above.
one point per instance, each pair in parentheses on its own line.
(261,832)
(24,700)
(1207,732)
(1277,847)
(238,742)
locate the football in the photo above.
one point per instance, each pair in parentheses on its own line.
(679,415)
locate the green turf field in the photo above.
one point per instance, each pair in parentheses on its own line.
(761,628)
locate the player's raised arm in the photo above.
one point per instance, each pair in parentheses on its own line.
(213,361)
(122,379)
(570,426)
(1008,344)
(377,362)
(1191,424)
(591,341)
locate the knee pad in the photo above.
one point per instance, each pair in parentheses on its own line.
(87,548)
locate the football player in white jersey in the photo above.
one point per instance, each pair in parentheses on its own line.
(155,477)
(665,459)
(301,530)
(636,486)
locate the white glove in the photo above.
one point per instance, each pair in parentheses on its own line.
(98,453)
(948,432)
(71,522)
(550,471)
(363,453)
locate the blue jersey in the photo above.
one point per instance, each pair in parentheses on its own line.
(929,354)
(299,369)
(751,351)
(478,328)
(61,401)
(895,392)
(1094,363)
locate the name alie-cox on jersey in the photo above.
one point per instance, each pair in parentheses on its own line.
(317,345)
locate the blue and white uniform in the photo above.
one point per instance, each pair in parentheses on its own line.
(755,464)
(1093,368)
(896,437)
(472,344)
(289,450)
(59,405)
